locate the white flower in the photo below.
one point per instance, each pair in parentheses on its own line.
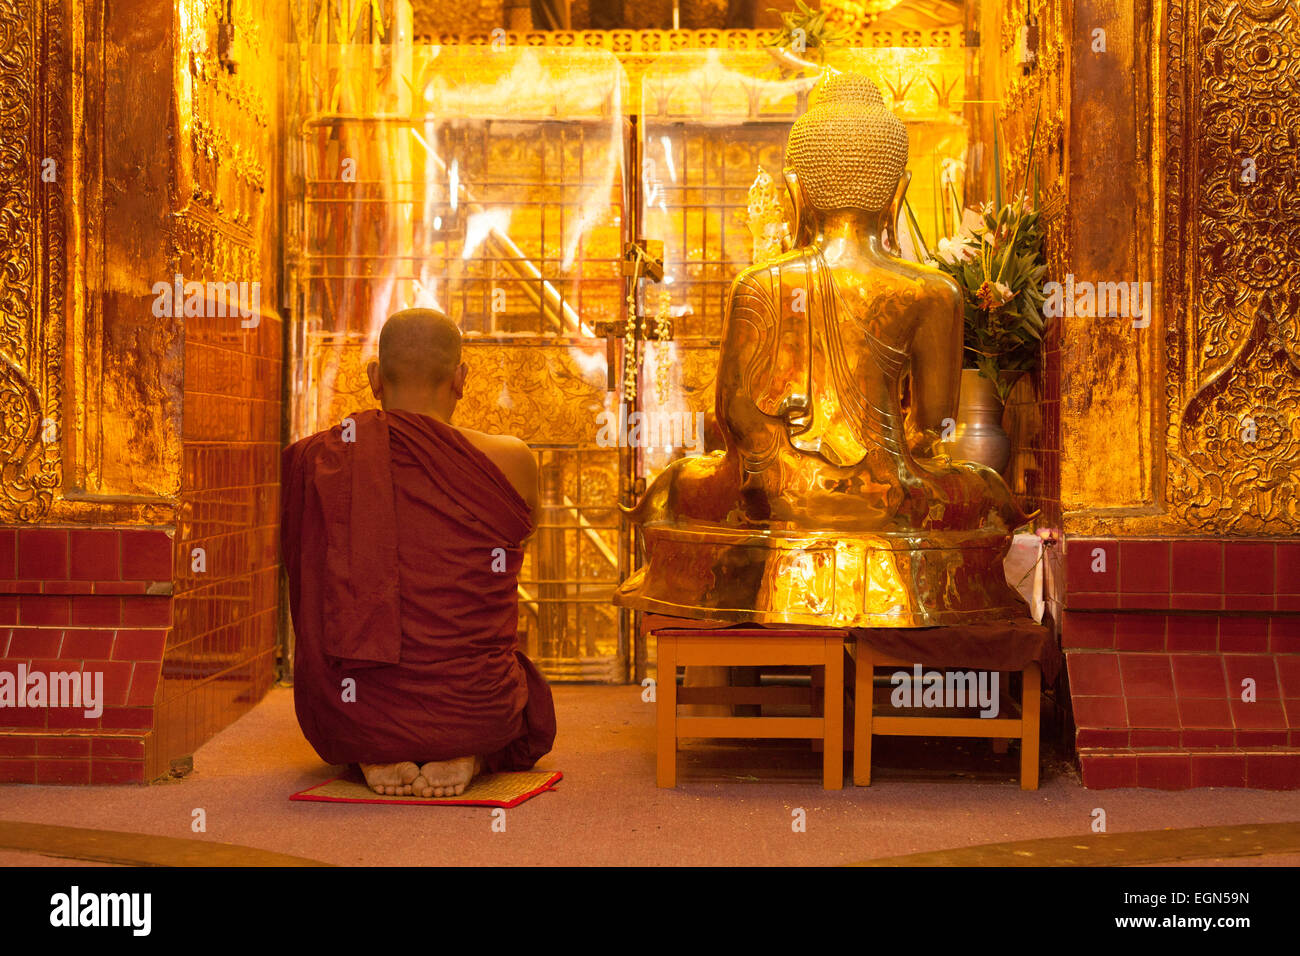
(955,250)
(972,225)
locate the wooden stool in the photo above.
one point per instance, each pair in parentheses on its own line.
(813,647)
(1024,725)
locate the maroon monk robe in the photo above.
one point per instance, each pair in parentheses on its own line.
(403,549)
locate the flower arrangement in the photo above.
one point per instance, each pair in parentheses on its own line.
(996,257)
(805,30)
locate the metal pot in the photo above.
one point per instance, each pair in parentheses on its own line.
(979,436)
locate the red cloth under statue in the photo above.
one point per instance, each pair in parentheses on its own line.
(403,549)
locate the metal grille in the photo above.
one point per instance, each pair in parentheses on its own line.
(702,210)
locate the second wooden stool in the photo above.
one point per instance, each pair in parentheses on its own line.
(754,646)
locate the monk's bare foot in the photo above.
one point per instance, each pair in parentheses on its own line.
(446,778)
(391,779)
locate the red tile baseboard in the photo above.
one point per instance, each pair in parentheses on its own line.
(1112,768)
(71,759)
(1206,574)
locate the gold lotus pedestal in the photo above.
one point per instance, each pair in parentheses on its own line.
(827,579)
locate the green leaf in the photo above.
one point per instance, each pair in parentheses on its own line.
(1033,141)
(997,162)
(916,228)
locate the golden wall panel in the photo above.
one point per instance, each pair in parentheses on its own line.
(544,394)
(32,263)
(431,16)
(152,171)
(1111,370)
(125,364)
(1231,247)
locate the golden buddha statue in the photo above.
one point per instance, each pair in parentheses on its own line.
(829,504)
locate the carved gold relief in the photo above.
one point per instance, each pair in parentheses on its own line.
(637,49)
(32,267)
(229,118)
(1231,246)
(27,489)
(545,394)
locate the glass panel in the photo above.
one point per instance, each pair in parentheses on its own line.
(487,183)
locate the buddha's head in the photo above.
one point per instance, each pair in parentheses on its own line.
(848,151)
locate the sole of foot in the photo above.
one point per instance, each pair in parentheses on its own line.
(445,778)
(391,779)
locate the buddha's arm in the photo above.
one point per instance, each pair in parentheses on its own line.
(745,354)
(936,362)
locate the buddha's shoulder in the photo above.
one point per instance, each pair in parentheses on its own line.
(931,282)
(766,271)
(766,275)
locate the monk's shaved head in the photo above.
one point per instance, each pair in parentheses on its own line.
(418,348)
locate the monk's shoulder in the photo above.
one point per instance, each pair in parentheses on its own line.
(491,445)
(303,450)
(512,455)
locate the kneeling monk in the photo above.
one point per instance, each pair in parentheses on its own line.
(402,538)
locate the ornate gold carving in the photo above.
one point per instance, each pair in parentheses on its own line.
(32,269)
(541,393)
(659,41)
(26,496)
(1232,238)
(229,122)
(547,394)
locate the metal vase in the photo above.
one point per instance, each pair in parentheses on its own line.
(979,436)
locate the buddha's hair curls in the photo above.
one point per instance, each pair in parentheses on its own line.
(848,150)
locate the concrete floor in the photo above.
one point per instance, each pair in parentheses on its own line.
(734,805)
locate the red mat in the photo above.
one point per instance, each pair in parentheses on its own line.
(504,790)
